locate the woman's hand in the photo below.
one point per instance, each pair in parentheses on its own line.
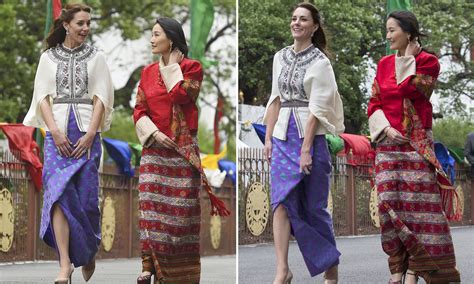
(164,140)
(395,135)
(267,150)
(413,48)
(83,145)
(175,56)
(306,162)
(62,143)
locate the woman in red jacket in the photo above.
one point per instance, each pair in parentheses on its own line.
(166,119)
(415,198)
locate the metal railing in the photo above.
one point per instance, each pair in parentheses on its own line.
(217,238)
(350,191)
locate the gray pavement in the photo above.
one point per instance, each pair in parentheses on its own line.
(214,270)
(362,260)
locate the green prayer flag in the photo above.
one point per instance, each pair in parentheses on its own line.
(202,17)
(396,5)
(136,152)
(49,17)
(335,143)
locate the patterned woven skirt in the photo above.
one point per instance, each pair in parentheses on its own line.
(305,198)
(73,184)
(415,231)
(170,214)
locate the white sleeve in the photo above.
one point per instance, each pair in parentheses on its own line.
(324,100)
(45,85)
(101,87)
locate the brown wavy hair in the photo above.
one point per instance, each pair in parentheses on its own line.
(319,37)
(57,34)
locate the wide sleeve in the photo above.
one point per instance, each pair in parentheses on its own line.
(44,86)
(377,119)
(101,87)
(416,79)
(184,85)
(275,90)
(324,100)
(144,126)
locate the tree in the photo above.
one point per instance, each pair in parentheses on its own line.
(356,32)
(21,37)
(450,29)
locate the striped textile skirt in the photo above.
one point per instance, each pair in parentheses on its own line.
(73,184)
(415,231)
(305,198)
(170,214)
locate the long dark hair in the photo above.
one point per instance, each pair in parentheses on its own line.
(409,24)
(57,33)
(319,38)
(174,32)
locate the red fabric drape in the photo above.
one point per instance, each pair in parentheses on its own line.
(25,149)
(57,6)
(358,150)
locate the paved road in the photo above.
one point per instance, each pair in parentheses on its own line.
(362,261)
(215,270)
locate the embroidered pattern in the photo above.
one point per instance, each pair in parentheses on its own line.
(192,88)
(424,84)
(71,73)
(294,66)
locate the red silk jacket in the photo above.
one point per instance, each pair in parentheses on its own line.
(388,96)
(154,101)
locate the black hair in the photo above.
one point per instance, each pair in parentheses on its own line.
(174,32)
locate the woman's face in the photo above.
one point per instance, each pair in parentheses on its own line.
(78,28)
(397,38)
(159,41)
(302,24)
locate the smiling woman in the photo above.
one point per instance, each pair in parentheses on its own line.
(171,176)
(303,107)
(73,100)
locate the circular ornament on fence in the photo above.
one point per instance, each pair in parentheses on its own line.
(461,198)
(374,208)
(257,209)
(330,203)
(7,219)
(215,231)
(108,224)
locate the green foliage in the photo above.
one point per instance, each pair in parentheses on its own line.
(452,132)
(356,33)
(19,53)
(21,37)
(450,29)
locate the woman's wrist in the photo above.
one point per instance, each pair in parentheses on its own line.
(305,150)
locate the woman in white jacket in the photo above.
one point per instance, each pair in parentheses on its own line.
(73,100)
(303,107)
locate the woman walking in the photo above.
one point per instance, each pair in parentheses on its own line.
(415,197)
(303,107)
(73,100)
(166,119)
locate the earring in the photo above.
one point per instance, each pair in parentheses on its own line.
(171,46)
(67,32)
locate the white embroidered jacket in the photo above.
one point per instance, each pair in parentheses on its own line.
(306,77)
(72,79)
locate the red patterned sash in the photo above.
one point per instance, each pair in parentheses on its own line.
(422,143)
(181,135)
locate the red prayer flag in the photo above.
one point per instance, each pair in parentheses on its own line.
(24,148)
